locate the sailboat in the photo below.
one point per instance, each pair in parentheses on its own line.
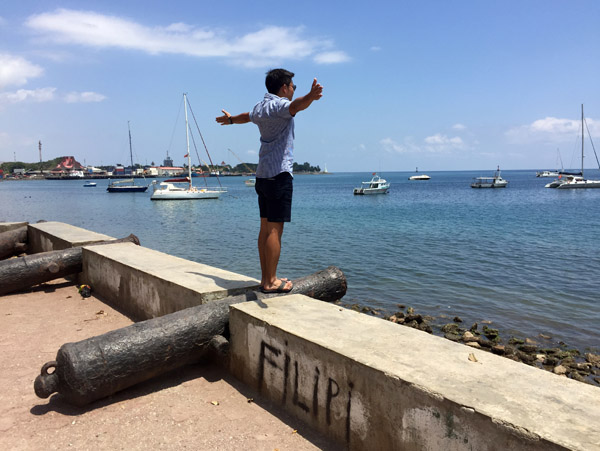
(126,185)
(552,173)
(182,188)
(577,180)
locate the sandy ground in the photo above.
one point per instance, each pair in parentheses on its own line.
(198,407)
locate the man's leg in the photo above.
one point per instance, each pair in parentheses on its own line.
(269,250)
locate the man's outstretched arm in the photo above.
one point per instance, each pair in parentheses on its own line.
(228,119)
(302,103)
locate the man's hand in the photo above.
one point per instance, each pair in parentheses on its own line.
(225,119)
(316,90)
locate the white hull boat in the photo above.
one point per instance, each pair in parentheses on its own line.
(575,181)
(419,176)
(490,182)
(182,189)
(547,174)
(376,185)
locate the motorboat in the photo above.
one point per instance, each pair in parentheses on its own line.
(418,176)
(490,182)
(250,182)
(575,180)
(182,188)
(89,184)
(376,185)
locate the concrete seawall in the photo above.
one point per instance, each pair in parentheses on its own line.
(365,382)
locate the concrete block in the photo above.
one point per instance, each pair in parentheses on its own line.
(371,384)
(144,283)
(6,226)
(55,236)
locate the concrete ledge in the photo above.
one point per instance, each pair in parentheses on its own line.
(371,384)
(6,226)
(144,283)
(56,236)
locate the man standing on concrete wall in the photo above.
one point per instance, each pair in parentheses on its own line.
(274,116)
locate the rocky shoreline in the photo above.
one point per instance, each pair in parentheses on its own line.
(539,352)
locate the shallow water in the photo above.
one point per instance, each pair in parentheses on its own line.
(524,257)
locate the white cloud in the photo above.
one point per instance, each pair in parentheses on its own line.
(375,48)
(434,144)
(16,71)
(88,96)
(391,146)
(331,58)
(551,129)
(459,127)
(266,46)
(442,141)
(28,95)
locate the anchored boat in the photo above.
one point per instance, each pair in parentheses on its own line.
(182,188)
(376,185)
(126,185)
(573,181)
(490,182)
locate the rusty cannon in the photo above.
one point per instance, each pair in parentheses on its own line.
(24,272)
(13,242)
(103,365)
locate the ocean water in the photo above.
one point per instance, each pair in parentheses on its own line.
(524,257)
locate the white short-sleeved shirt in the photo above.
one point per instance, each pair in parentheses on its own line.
(276,126)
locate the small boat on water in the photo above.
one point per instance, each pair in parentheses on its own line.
(418,176)
(490,182)
(182,188)
(89,184)
(575,180)
(376,185)
(547,174)
(127,185)
(555,173)
(250,182)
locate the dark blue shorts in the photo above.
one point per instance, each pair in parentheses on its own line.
(275,197)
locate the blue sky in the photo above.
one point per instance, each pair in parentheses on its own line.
(442,85)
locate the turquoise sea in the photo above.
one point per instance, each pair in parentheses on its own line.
(525,258)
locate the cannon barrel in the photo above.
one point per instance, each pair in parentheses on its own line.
(24,272)
(103,365)
(13,242)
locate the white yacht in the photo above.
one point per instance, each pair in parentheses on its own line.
(182,188)
(575,181)
(376,185)
(418,176)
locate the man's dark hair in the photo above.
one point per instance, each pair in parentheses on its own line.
(276,78)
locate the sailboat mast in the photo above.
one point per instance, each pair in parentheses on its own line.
(130,150)
(582,140)
(187,139)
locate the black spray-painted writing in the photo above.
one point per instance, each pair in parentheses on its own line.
(279,359)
